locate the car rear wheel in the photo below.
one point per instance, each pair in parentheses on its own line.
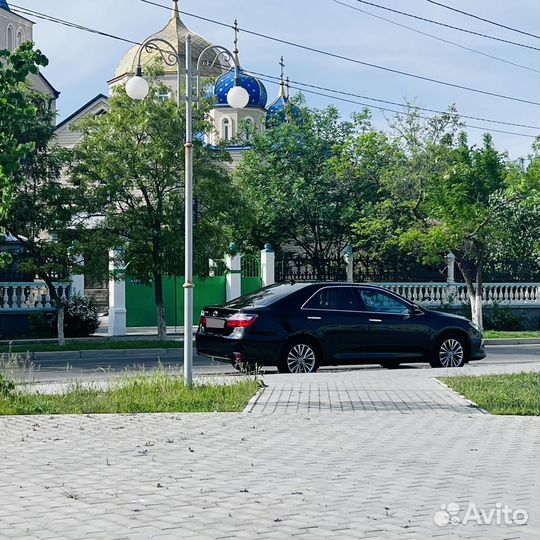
(450,352)
(300,356)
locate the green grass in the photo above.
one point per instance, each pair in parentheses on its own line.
(516,393)
(505,334)
(93,345)
(156,392)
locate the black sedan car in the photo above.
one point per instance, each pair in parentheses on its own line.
(301,326)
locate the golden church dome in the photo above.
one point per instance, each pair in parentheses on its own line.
(175,32)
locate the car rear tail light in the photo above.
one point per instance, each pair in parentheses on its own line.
(241,320)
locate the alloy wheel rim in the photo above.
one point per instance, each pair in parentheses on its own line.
(301,359)
(451,353)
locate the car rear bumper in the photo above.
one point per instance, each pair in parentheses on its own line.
(218,347)
(226,349)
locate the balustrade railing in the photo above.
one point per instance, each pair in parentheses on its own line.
(455,294)
(31,296)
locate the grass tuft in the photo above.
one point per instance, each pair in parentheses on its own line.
(156,392)
(508,334)
(512,393)
(92,345)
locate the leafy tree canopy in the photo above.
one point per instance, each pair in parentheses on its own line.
(130,165)
(20,117)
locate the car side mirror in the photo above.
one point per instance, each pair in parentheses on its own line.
(413,311)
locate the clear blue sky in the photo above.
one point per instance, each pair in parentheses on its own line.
(81,63)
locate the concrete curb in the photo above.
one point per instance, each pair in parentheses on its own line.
(518,341)
(104,354)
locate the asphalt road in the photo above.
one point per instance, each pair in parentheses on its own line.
(58,369)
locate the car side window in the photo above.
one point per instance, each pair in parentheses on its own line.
(380,302)
(333,298)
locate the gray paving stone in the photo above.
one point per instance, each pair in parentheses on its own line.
(328,456)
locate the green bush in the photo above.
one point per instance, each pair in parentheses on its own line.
(80,316)
(80,319)
(501,318)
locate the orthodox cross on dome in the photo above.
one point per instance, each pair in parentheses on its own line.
(282,92)
(236,31)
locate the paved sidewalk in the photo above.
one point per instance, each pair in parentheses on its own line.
(263,476)
(368,474)
(406,390)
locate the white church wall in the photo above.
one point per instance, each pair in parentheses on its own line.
(14,27)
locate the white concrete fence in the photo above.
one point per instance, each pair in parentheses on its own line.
(31,296)
(35,296)
(454,294)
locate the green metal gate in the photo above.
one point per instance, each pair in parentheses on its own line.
(251,273)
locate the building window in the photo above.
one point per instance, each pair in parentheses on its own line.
(227,129)
(164,95)
(249,128)
(10,44)
(20,37)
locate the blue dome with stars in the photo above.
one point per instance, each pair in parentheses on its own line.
(254,87)
(276,112)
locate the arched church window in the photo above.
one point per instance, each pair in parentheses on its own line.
(10,44)
(249,128)
(227,129)
(20,37)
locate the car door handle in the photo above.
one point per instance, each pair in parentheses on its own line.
(375,320)
(315,318)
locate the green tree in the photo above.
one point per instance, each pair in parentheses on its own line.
(515,249)
(130,165)
(44,214)
(445,195)
(294,188)
(19,112)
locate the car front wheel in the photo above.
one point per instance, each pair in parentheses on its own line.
(450,352)
(299,357)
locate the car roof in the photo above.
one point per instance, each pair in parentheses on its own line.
(336,284)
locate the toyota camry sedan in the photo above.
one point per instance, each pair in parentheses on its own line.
(298,327)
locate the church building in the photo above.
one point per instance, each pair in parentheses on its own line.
(15,30)
(226,120)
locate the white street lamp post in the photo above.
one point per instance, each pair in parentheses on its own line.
(137,88)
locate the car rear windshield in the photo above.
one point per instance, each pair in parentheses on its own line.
(265,297)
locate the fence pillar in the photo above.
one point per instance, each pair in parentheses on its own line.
(77,280)
(349,258)
(233,287)
(268,266)
(450,262)
(117,296)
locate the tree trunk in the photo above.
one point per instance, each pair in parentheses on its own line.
(479,320)
(60,325)
(60,309)
(474,292)
(160,307)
